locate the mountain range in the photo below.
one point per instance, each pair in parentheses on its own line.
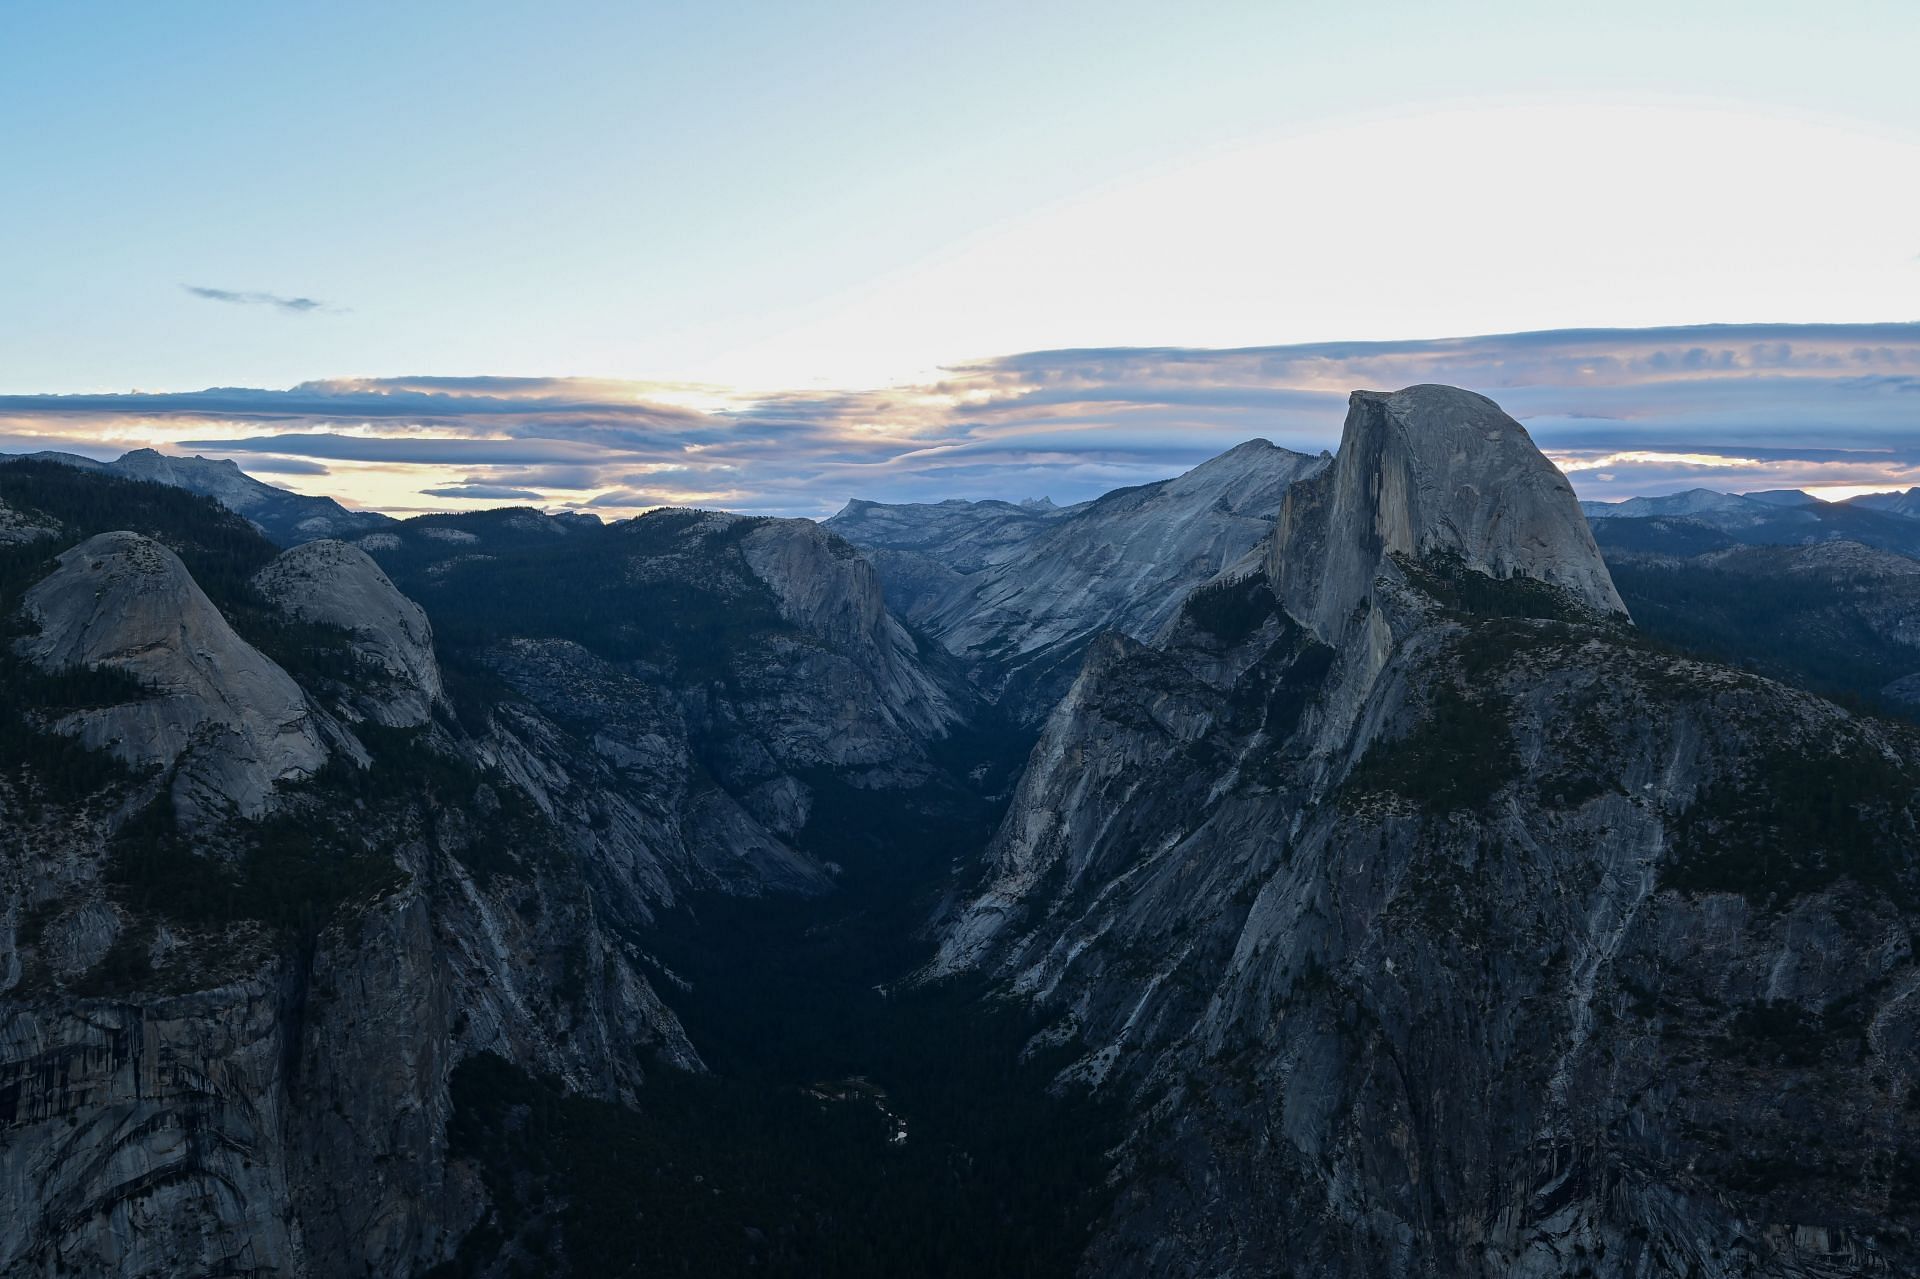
(286,518)
(1376,863)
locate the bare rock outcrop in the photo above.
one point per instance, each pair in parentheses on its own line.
(1431,923)
(333,584)
(1424,471)
(1017,593)
(220,716)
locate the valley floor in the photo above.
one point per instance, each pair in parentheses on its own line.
(846,1128)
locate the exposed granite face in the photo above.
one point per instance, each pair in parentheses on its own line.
(612,758)
(1431,470)
(223,720)
(337,585)
(1441,948)
(144,1138)
(1018,607)
(253,1079)
(832,593)
(286,1113)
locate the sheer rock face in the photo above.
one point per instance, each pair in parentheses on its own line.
(624,784)
(826,588)
(1019,608)
(1431,470)
(292,1111)
(337,585)
(206,1094)
(255,1079)
(225,719)
(143,1140)
(1425,930)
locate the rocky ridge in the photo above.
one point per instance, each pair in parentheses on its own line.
(332,584)
(1020,610)
(287,518)
(236,990)
(223,720)
(1413,902)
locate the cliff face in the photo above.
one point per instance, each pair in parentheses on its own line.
(1017,597)
(224,721)
(1428,471)
(336,585)
(241,969)
(1434,924)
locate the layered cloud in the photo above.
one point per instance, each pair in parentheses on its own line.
(1625,412)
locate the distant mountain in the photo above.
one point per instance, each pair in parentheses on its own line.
(1906,504)
(1782,497)
(1701,519)
(1017,593)
(964,536)
(286,518)
(1702,503)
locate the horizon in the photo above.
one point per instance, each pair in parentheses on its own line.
(1624,413)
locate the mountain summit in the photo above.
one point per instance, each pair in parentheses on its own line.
(1436,924)
(1018,593)
(1430,470)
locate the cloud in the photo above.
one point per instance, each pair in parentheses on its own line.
(1628,411)
(296,305)
(573,478)
(420,450)
(488,491)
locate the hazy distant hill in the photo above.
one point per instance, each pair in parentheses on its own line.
(287,518)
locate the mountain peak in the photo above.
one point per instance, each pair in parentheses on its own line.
(1422,471)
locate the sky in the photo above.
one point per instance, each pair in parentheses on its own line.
(776,256)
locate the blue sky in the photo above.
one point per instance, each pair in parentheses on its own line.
(730,208)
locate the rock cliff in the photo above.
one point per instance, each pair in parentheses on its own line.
(336,585)
(225,721)
(1435,924)
(1022,594)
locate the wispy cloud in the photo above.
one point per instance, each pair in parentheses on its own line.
(1627,412)
(485,492)
(285,466)
(297,305)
